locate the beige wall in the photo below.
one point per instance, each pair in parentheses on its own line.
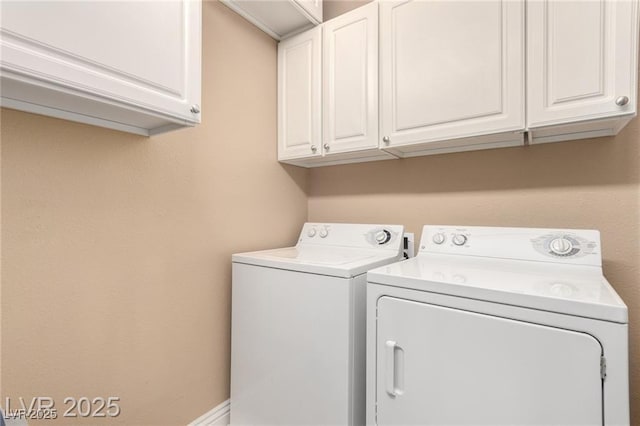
(592,184)
(116,271)
(116,266)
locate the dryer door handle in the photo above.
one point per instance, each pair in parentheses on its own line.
(394,369)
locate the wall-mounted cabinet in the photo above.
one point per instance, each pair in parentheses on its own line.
(130,66)
(282,18)
(342,83)
(452,78)
(452,75)
(299,96)
(350,87)
(582,68)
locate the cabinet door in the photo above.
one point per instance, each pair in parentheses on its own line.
(581,59)
(451,69)
(299,96)
(143,54)
(313,8)
(443,366)
(350,81)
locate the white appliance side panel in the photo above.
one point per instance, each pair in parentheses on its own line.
(290,347)
(438,365)
(359,350)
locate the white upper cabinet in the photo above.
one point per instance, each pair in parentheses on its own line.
(279,18)
(582,63)
(133,66)
(313,8)
(451,70)
(451,76)
(350,81)
(299,96)
(328,92)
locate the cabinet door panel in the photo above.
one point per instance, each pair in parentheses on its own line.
(146,54)
(443,366)
(451,69)
(299,96)
(350,81)
(581,57)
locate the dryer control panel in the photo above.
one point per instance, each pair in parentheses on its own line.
(569,246)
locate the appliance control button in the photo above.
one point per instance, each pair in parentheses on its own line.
(560,246)
(439,238)
(383,237)
(459,239)
(324,232)
(311,232)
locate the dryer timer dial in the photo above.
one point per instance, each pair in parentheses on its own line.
(564,245)
(560,246)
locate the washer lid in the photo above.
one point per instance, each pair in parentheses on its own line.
(567,289)
(335,261)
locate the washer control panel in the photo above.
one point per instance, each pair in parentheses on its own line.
(549,245)
(352,235)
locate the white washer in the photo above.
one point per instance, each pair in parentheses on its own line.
(497,326)
(298,326)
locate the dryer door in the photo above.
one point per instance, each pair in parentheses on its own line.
(444,366)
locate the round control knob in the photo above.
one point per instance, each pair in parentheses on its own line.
(560,246)
(439,238)
(311,232)
(324,232)
(459,239)
(383,237)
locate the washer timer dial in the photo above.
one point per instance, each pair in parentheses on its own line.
(459,239)
(383,237)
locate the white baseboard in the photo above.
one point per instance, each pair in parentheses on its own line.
(219,416)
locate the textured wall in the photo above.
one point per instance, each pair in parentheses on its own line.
(116,262)
(593,184)
(115,266)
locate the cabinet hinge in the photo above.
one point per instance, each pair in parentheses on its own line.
(603,367)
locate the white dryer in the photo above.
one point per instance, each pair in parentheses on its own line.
(298,326)
(497,326)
